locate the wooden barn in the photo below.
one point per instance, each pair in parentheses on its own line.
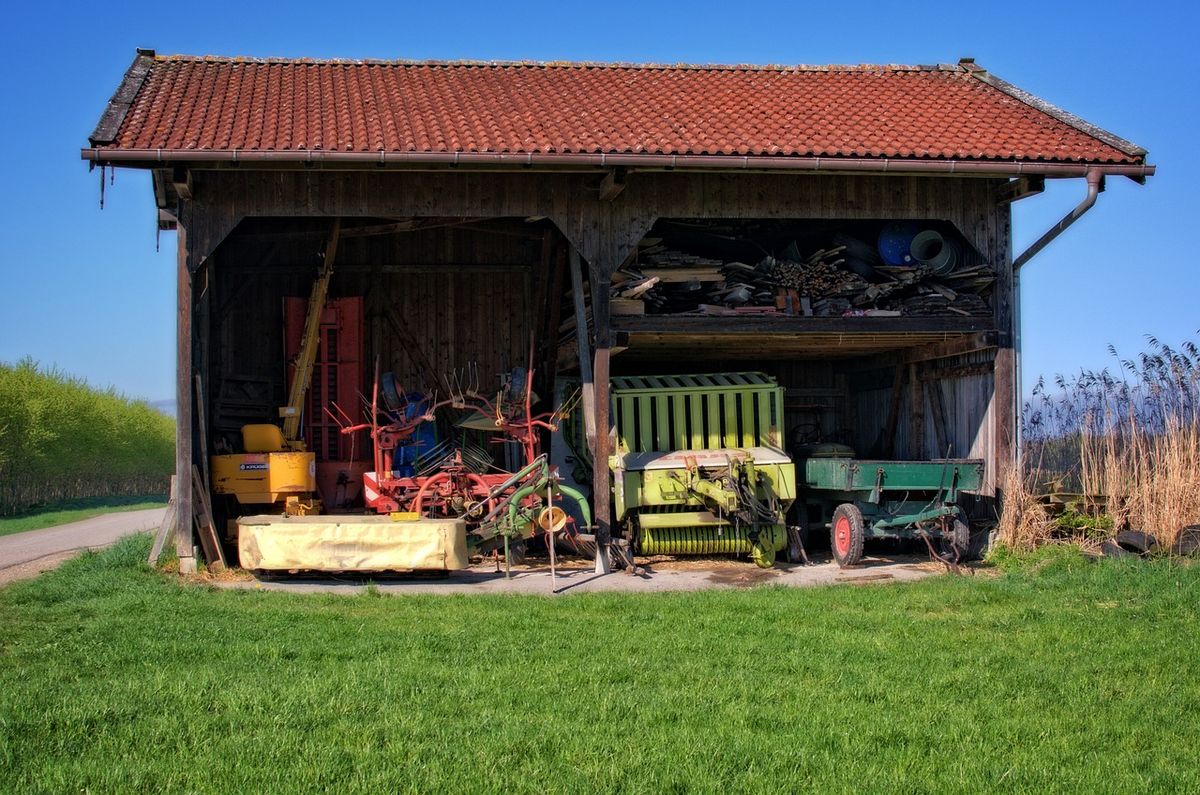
(699,219)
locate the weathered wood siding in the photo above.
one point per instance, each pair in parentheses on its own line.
(465,295)
(967,388)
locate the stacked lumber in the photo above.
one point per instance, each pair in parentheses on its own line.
(823,283)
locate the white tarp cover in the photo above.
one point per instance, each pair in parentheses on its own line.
(351,543)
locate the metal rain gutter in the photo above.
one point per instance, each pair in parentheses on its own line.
(311,157)
(1095,184)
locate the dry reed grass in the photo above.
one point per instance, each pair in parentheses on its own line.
(1131,439)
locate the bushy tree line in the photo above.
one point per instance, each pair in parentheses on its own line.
(63,439)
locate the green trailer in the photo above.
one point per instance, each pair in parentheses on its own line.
(860,500)
(698,465)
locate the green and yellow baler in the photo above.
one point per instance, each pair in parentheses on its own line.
(699,466)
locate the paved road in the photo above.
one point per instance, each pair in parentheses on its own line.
(28,554)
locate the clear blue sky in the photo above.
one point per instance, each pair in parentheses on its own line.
(85,290)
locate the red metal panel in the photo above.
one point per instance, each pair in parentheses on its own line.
(337,384)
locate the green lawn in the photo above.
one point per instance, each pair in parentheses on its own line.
(76,510)
(1075,677)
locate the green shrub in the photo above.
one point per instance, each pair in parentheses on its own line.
(63,439)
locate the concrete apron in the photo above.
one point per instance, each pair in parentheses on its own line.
(578,576)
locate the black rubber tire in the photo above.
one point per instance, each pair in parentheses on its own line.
(389,388)
(1188,542)
(847,524)
(956,544)
(1136,541)
(516,551)
(1110,550)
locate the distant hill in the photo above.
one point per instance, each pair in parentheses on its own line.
(165,406)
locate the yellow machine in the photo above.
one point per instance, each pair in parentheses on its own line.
(275,468)
(268,473)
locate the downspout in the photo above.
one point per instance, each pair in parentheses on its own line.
(1095,184)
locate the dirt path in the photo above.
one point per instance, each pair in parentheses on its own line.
(28,554)
(576,577)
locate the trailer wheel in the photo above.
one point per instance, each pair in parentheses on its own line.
(763,554)
(516,552)
(956,541)
(846,534)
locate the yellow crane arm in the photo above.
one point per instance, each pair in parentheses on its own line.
(308,346)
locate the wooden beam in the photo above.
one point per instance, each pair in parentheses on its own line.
(1020,188)
(612,184)
(181,180)
(588,398)
(700,324)
(183,408)
(929,352)
(601,478)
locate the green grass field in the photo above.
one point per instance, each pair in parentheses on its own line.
(1074,677)
(76,510)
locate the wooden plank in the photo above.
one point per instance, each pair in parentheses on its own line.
(788,324)
(893,416)
(210,543)
(168,524)
(588,396)
(202,432)
(916,416)
(937,412)
(1020,188)
(681,275)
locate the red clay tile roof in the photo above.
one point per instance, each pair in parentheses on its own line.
(933,112)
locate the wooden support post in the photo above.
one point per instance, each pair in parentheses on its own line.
(183,403)
(1006,408)
(1006,402)
(599,277)
(601,481)
(588,398)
